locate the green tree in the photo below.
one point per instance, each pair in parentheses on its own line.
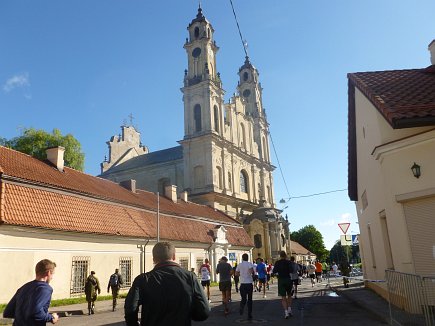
(35,142)
(312,239)
(341,253)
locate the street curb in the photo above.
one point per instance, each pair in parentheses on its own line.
(360,302)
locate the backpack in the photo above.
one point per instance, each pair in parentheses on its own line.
(113,280)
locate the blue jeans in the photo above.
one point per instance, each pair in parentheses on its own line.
(246,290)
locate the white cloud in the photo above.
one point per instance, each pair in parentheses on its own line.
(19,80)
(330,222)
(345,218)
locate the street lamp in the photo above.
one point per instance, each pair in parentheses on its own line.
(416,170)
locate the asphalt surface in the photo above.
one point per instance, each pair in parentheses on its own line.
(323,303)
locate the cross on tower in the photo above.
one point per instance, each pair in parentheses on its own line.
(131,119)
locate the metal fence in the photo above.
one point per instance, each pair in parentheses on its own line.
(411,298)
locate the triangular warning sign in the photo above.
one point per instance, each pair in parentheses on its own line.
(344,227)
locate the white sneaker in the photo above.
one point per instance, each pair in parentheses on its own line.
(289,311)
(286,314)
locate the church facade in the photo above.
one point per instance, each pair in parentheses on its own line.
(223,159)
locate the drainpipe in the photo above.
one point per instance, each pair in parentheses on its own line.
(142,248)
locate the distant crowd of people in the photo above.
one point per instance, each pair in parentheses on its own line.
(169,294)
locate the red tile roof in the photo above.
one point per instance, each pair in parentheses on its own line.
(298,249)
(406,98)
(34,193)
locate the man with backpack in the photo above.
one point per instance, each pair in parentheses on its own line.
(115,283)
(92,286)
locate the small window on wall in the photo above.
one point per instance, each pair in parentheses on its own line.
(219,177)
(245,76)
(184,263)
(196,32)
(230,184)
(257,241)
(126,267)
(79,273)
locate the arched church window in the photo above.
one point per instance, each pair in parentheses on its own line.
(208,32)
(243,182)
(198,176)
(257,241)
(197,117)
(230,184)
(219,177)
(243,136)
(216,118)
(196,32)
(245,76)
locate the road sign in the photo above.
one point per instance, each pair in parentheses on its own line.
(355,239)
(232,256)
(344,227)
(346,240)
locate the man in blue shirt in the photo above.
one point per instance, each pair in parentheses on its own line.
(29,305)
(262,275)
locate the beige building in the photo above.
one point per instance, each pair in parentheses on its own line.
(86,223)
(223,159)
(392,169)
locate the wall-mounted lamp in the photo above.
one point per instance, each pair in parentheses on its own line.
(416,170)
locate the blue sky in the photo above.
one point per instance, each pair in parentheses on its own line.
(84,66)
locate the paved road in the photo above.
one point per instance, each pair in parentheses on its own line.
(314,306)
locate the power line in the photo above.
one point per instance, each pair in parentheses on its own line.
(312,195)
(279,164)
(240,33)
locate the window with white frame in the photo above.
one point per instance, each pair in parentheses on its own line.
(184,263)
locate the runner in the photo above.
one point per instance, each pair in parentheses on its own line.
(245,270)
(224,270)
(255,277)
(204,271)
(261,270)
(268,271)
(282,268)
(311,269)
(294,276)
(318,265)
(236,277)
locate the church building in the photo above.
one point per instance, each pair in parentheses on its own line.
(223,159)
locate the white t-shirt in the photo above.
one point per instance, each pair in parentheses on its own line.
(205,272)
(245,268)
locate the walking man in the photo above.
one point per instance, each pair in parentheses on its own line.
(29,305)
(204,271)
(245,270)
(168,294)
(282,268)
(92,286)
(224,270)
(115,283)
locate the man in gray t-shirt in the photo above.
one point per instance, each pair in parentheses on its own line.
(224,270)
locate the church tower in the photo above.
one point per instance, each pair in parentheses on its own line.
(225,145)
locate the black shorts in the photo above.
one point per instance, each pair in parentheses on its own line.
(318,273)
(225,286)
(262,280)
(268,277)
(312,275)
(255,278)
(205,283)
(295,282)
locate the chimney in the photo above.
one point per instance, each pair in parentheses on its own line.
(183,196)
(129,185)
(432,51)
(55,156)
(171,193)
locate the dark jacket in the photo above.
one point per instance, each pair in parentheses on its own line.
(92,287)
(169,295)
(283,268)
(29,306)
